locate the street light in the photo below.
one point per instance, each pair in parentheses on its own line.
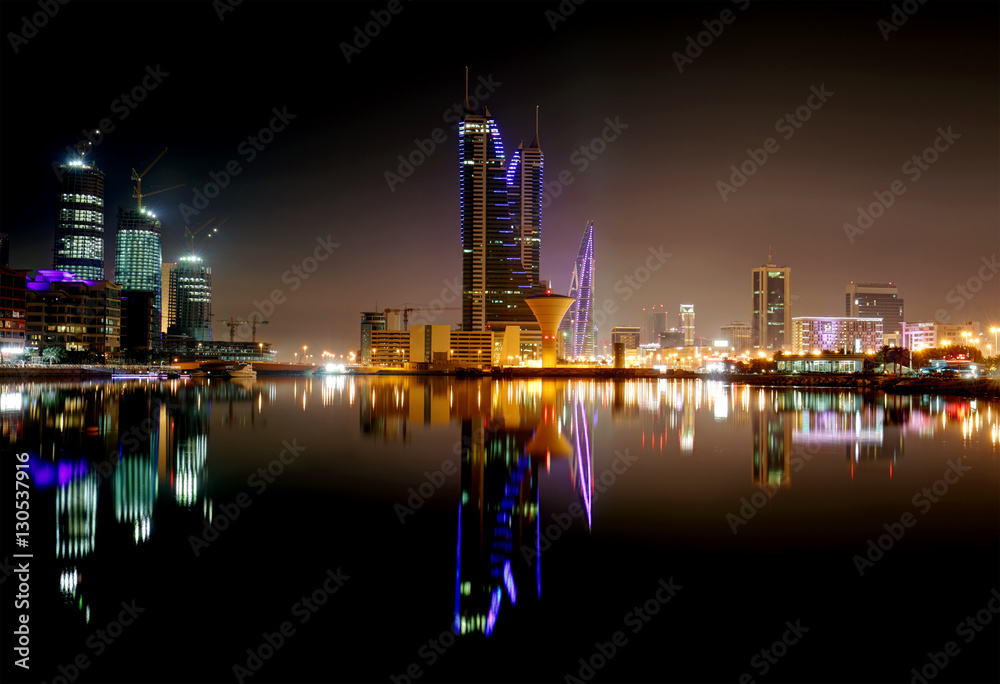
(261,345)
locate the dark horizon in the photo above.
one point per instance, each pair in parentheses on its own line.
(863,98)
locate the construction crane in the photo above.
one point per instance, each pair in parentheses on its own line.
(189,234)
(254,323)
(137,177)
(232,323)
(407,309)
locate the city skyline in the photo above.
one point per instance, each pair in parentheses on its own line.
(857,153)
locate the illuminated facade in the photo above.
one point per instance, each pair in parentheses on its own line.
(13,309)
(78,315)
(578,327)
(930,334)
(738,335)
(500,207)
(875,300)
(79,240)
(836,333)
(687,324)
(189,299)
(138,252)
(370,322)
(771,325)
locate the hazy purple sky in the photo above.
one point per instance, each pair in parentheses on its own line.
(654,180)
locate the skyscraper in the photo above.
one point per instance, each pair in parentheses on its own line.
(138,253)
(655,323)
(499,247)
(687,324)
(875,300)
(772,307)
(524,195)
(578,325)
(79,238)
(190,296)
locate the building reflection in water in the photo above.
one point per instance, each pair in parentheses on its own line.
(114,443)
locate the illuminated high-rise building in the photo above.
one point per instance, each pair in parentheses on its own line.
(79,239)
(500,206)
(138,252)
(189,297)
(771,325)
(524,196)
(578,325)
(687,324)
(875,300)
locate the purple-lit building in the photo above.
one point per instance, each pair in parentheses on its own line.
(500,206)
(578,325)
(73,313)
(13,311)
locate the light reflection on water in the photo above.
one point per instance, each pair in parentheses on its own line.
(665,462)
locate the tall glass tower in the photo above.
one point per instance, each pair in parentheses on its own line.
(771,325)
(500,206)
(79,240)
(524,195)
(190,299)
(579,322)
(138,252)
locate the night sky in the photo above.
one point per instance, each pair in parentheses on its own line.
(653,182)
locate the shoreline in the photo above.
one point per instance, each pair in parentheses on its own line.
(983,388)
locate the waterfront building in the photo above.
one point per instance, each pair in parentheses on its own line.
(371,321)
(499,246)
(79,234)
(771,324)
(929,334)
(72,313)
(875,300)
(578,329)
(836,333)
(138,252)
(738,335)
(687,324)
(13,309)
(190,299)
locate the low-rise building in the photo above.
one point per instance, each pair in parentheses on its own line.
(75,314)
